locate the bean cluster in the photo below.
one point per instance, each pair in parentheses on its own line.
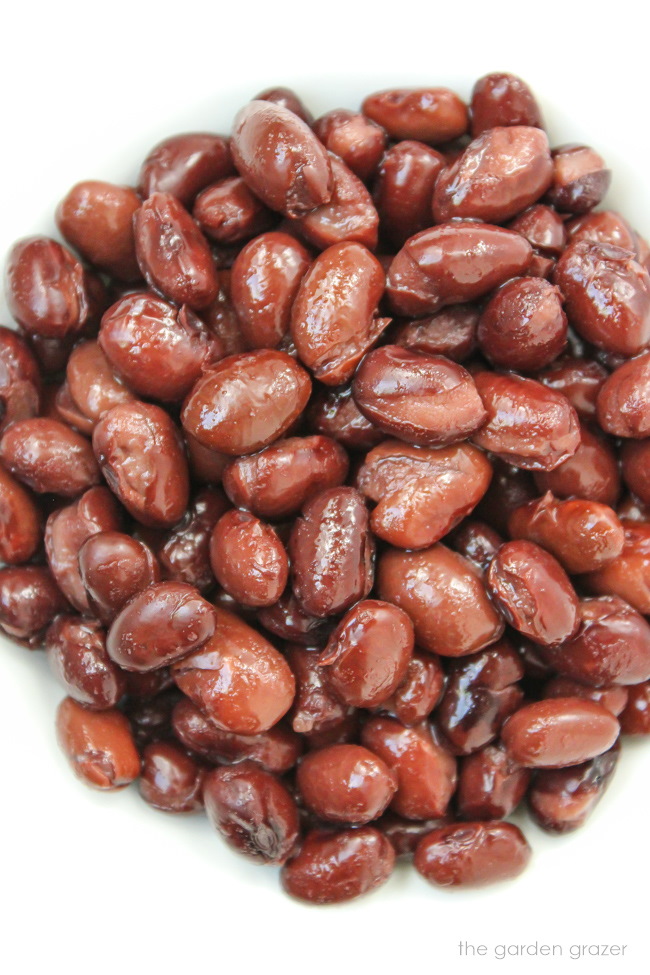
(325,482)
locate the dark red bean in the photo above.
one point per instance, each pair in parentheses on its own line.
(228,213)
(20,381)
(151,717)
(510,487)
(248,559)
(246,401)
(184,553)
(20,522)
(185,164)
(628,575)
(544,230)
(332,552)
(405,834)
(591,473)
(523,326)
(334,413)
(404,187)
(580,380)
(280,158)
(206,466)
(29,600)
(49,457)
(63,409)
(423,399)
(476,542)
(431,270)
(636,468)
(490,784)
(97,220)
(451,332)
(222,320)
(623,405)
(287,98)
(345,784)
(428,114)
(331,867)
(580,179)
(113,568)
(635,718)
(503,99)
(98,744)
(344,732)
(472,854)
(288,620)
(171,781)
(613,698)
(558,732)
(253,811)
(604,227)
(237,678)
(76,650)
(419,692)
(357,140)
(315,708)
(560,800)
(444,597)
(93,386)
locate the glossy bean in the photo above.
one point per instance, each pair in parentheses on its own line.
(345,784)
(580,380)
(113,568)
(404,188)
(170,781)
(623,406)
(580,179)
(350,214)
(560,800)
(288,99)
(451,332)
(49,457)
(228,213)
(29,601)
(472,854)
(20,381)
(335,414)
(419,692)
(603,227)
(76,651)
(98,745)
(184,553)
(96,219)
(428,114)
(591,473)
(316,708)
(185,164)
(477,542)
(559,732)
(635,718)
(503,99)
(289,621)
(628,575)
(93,386)
(357,140)
(248,559)
(523,326)
(614,697)
(20,521)
(636,468)
(490,784)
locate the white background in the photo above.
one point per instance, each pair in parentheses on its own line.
(102,883)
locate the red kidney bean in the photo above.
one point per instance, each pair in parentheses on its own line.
(523,326)
(503,171)
(451,332)
(280,158)
(184,553)
(613,698)
(49,457)
(145,687)
(276,750)
(405,834)
(426,772)
(256,688)
(582,535)
(253,811)
(334,413)
(289,621)
(355,139)
(476,542)
(266,276)
(623,405)
(580,179)
(333,321)
(228,213)
(632,509)
(287,98)
(173,254)
(607,296)
(420,398)
(490,784)
(580,380)
(157,349)
(276,482)
(76,650)
(113,568)
(591,473)
(51,353)
(503,99)
(221,318)
(533,592)
(98,744)
(627,576)
(527,424)
(97,220)
(161,624)
(635,718)
(481,691)
(315,708)
(472,854)
(332,552)
(431,270)
(170,781)
(343,732)
(151,717)
(404,188)
(636,468)
(63,409)
(185,164)
(20,380)
(604,227)
(248,559)
(93,386)
(246,401)
(421,494)
(509,488)
(49,292)
(368,654)
(331,867)
(444,597)
(29,600)
(560,800)
(66,531)
(20,522)
(544,230)
(428,114)
(345,784)
(558,732)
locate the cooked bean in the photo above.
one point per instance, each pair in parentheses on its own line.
(170,781)
(472,854)
(113,568)
(635,718)
(523,326)
(510,488)
(636,468)
(76,650)
(288,620)
(184,553)
(603,227)
(206,466)
(334,413)
(20,381)
(316,707)
(49,457)
(93,386)
(628,575)
(451,332)
(404,187)
(591,473)
(248,559)
(503,99)
(580,380)
(29,600)
(428,114)
(357,140)
(228,213)
(20,522)
(405,834)
(476,542)
(98,744)
(490,784)
(560,800)
(580,179)
(558,732)
(623,405)
(97,220)
(345,784)
(614,698)
(185,164)
(287,98)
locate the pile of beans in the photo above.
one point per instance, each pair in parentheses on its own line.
(325,482)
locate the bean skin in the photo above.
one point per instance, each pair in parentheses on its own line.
(248,559)
(20,380)
(331,867)
(357,140)
(604,227)
(503,171)
(161,624)
(472,854)
(452,263)
(184,553)
(20,522)
(185,164)
(580,179)
(405,834)
(533,593)
(316,707)
(332,552)
(335,414)
(635,719)
(277,482)
(580,380)
(113,568)
(527,424)
(29,600)
(444,597)
(614,698)
(345,784)
(582,535)
(93,386)
(523,326)
(420,398)
(150,717)
(623,405)
(476,542)
(560,800)
(281,159)
(140,453)
(257,687)
(427,114)
(544,230)
(451,332)
(287,98)
(170,781)
(607,296)
(206,466)
(228,213)
(97,220)
(490,784)
(49,457)
(76,651)
(636,468)
(368,654)
(503,99)
(253,811)
(246,401)
(333,321)
(628,575)
(98,744)
(559,732)
(289,621)
(591,473)
(266,276)
(404,188)
(419,692)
